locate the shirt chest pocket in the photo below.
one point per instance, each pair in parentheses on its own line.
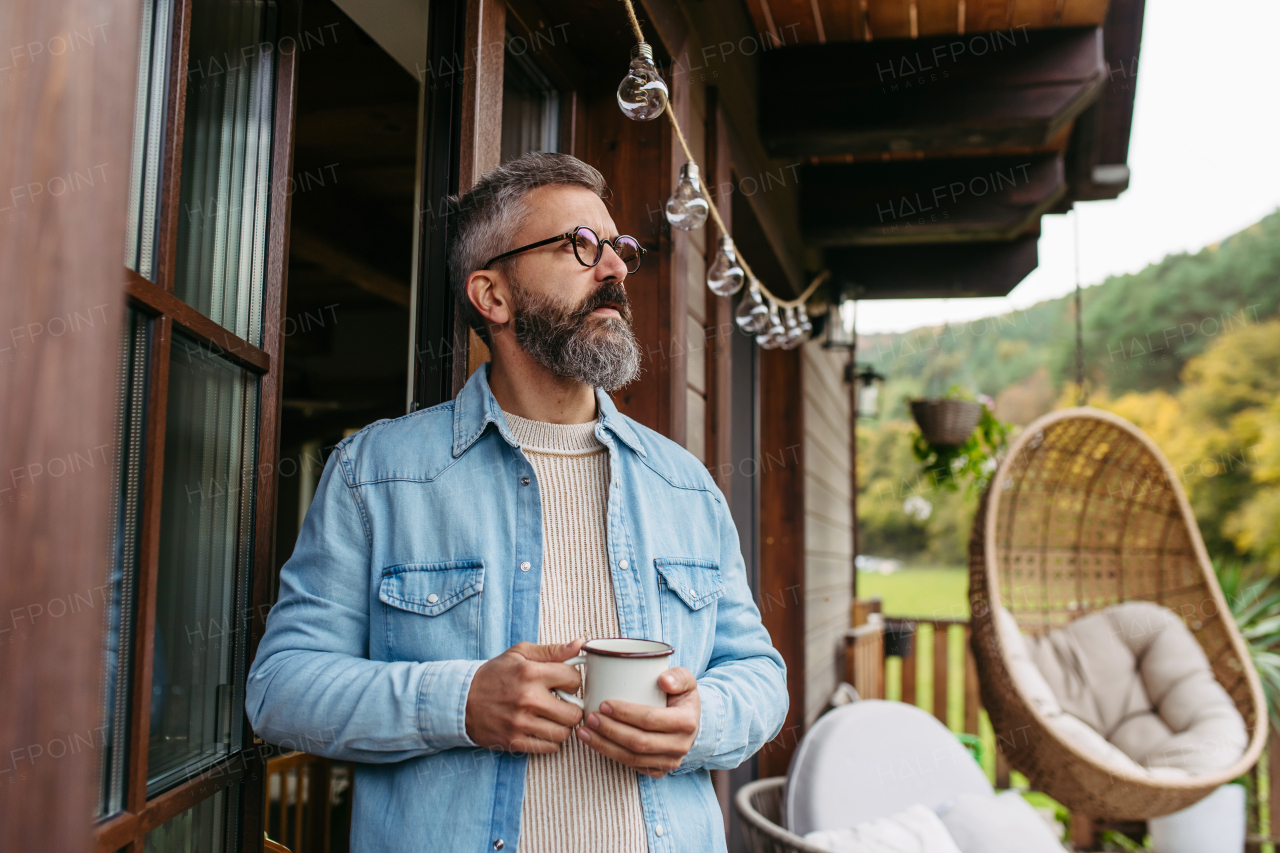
(432,610)
(688,590)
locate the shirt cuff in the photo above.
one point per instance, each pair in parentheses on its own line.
(442,703)
(710,727)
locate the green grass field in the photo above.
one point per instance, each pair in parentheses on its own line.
(927,592)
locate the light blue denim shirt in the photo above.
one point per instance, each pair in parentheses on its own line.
(421,557)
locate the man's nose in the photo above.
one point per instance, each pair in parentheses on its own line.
(610,266)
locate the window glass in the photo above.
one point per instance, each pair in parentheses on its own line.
(148,137)
(207,827)
(120,593)
(530,104)
(197,682)
(226,159)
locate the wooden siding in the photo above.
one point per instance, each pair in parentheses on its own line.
(828,548)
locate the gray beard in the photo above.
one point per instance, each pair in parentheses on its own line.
(601,352)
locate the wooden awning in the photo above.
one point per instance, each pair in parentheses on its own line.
(893,106)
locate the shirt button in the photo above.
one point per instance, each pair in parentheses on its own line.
(499,844)
(525,566)
(657,830)
(524,481)
(432,598)
(623,564)
(693,593)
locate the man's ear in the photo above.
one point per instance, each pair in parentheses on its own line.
(488,293)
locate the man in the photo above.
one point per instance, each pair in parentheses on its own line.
(453,558)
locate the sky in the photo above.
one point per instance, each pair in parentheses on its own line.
(1204,161)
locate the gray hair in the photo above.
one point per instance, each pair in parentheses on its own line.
(487,217)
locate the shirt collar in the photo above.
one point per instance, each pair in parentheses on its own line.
(475,408)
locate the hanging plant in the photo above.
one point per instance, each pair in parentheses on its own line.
(982,438)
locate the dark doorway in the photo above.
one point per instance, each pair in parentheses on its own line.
(346,330)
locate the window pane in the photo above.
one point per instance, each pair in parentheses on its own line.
(208,827)
(197,683)
(530,104)
(226,159)
(122,577)
(148,136)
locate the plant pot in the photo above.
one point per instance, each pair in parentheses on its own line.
(946,422)
(897,639)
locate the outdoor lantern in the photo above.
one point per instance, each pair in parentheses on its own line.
(868,384)
(840,323)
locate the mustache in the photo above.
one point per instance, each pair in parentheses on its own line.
(609,292)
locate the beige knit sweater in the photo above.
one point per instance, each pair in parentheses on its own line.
(575,800)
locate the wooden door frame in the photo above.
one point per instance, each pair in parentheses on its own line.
(461,139)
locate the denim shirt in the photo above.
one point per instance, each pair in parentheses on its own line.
(421,557)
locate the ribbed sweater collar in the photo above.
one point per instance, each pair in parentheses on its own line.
(555,438)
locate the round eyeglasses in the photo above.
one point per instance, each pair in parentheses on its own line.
(588,248)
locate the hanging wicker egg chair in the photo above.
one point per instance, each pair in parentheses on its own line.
(1083,513)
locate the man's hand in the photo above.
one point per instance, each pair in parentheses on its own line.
(652,740)
(510,704)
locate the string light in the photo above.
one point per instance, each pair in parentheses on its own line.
(771,332)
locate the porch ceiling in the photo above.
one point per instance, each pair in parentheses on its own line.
(885,101)
(823,21)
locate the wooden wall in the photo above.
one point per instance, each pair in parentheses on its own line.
(828,526)
(67,110)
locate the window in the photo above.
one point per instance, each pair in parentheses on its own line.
(192,376)
(530,104)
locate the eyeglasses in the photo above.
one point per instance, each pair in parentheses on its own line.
(587,244)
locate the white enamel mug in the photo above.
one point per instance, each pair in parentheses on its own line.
(619,669)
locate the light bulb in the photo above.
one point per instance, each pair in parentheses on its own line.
(751,313)
(642,95)
(687,207)
(772,329)
(725,276)
(794,335)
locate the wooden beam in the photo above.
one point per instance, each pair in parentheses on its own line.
(1099,150)
(928,201)
(781,591)
(60,253)
(939,270)
(1015,87)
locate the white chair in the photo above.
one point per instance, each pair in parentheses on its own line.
(862,761)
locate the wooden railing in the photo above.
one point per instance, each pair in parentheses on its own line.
(308,803)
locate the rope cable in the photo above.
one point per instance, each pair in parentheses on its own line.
(711,207)
(1081,396)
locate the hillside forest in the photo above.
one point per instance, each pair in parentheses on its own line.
(1188,349)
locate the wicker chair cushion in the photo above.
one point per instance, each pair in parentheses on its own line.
(1135,676)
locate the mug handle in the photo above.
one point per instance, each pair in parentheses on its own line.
(569,697)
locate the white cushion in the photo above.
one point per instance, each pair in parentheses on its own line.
(1003,824)
(1021,667)
(1135,676)
(913,830)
